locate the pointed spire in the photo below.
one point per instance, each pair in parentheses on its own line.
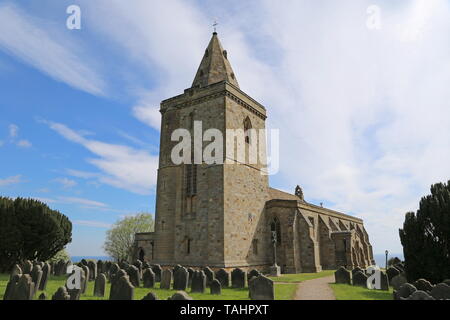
(215,66)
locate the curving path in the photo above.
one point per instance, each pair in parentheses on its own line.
(315,289)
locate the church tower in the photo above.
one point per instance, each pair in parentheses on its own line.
(211,214)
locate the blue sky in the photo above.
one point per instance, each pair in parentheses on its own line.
(363,113)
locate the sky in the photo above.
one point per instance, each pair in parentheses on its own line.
(358,90)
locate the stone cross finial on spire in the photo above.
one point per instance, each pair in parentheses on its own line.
(215,24)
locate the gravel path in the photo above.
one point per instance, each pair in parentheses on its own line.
(315,289)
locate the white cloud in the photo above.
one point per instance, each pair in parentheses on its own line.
(121,166)
(93,224)
(13,130)
(47,49)
(24,143)
(11,180)
(83,202)
(66,183)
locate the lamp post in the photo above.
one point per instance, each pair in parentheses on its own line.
(386,252)
(275,269)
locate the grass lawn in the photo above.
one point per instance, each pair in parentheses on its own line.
(296,278)
(282,291)
(348,292)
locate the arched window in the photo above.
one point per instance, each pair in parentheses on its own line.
(275,226)
(247,127)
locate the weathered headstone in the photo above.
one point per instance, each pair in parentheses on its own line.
(180,279)
(441,291)
(92,270)
(357,269)
(158,271)
(216,287)
(423,285)
(210,276)
(133,273)
(27,267)
(198,282)
(191,274)
(61,294)
(398,281)
(180,295)
(342,275)
(36,277)
(404,291)
(261,288)
(100,285)
(15,271)
(224,278)
(359,279)
(150,296)
(238,278)
(446,281)
(124,290)
(148,277)
(84,262)
(11,287)
(74,294)
(46,271)
(252,274)
(419,295)
(166,279)
(100,267)
(84,278)
(392,272)
(384,281)
(138,264)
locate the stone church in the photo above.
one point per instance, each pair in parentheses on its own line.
(226,215)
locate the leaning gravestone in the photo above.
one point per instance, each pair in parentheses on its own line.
(166,279)
(224,278)
(61,294)
(342,275)
(198,282)
(15,271)
(398,281)
(423,285)
(441,291)
(180,279)
(92,270)
(133,273)
(148,277)
(392,272)
(261,288)
(100,285)
(216,287)
(46,271)
(359,279)
(124,290)
(180,295)
(210,276)
(158,271)
(36,277)
(11,287)
(404,291)
(238,278)
(150,296)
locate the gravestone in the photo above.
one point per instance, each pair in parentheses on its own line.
(46,271)
(252,274)
(84,278)
(392,272)
(138,264)
(405,291)
(92,270)
(158,271)
(191,274)
(150,296)
(210,276)
(238,278)
(24,288)
(74,294)
(84,262)
(419,295)
(148,277)
(398,281)
(133,273)
(27,267)
(384,281)
(100,267)
(145,265)
(123,290)
(11,287)
(61,294)
(100,285)
(357,269)
(43,296)
(15,271)
(224,278)
(36,277)
(441,291)
(178,266)
(180,279)
(446,281)
(166,279)
(180,295)
(359,279)
(342,275)
(216,287)
(423,285)
(198,282)
(261,288)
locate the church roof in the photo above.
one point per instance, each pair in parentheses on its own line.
(281,195)
(215,66)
